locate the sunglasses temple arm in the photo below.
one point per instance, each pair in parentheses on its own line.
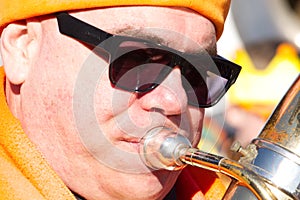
(75,28)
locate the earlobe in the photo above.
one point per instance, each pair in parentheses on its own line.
(16,47)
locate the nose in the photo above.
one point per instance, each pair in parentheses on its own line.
(169,97)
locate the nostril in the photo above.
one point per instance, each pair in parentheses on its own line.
(157,110)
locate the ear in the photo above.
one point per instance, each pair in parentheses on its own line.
(18,47)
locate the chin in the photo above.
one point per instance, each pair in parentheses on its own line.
(155,185)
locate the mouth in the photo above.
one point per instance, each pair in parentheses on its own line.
(156,136)
(133,152)
(131,145)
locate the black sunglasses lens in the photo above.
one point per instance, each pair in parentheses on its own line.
(203,88)
(138,67)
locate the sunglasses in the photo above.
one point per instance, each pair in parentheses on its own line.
(138,65)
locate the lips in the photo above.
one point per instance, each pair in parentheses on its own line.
(131,145)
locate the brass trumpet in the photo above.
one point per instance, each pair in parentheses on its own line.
(270,165)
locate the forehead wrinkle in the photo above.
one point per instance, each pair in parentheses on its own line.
(141,34)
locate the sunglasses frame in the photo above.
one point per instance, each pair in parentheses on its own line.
(97,38)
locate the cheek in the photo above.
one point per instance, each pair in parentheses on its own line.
(49,92)
(52,80)
(196,117)
(109,101)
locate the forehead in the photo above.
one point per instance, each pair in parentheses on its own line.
(178,28)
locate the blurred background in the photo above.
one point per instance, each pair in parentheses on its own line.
(263,36)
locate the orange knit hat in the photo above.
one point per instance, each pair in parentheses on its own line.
(13,10)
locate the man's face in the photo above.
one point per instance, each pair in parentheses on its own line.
(89,130)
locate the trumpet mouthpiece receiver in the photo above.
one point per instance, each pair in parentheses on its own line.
(161,148)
